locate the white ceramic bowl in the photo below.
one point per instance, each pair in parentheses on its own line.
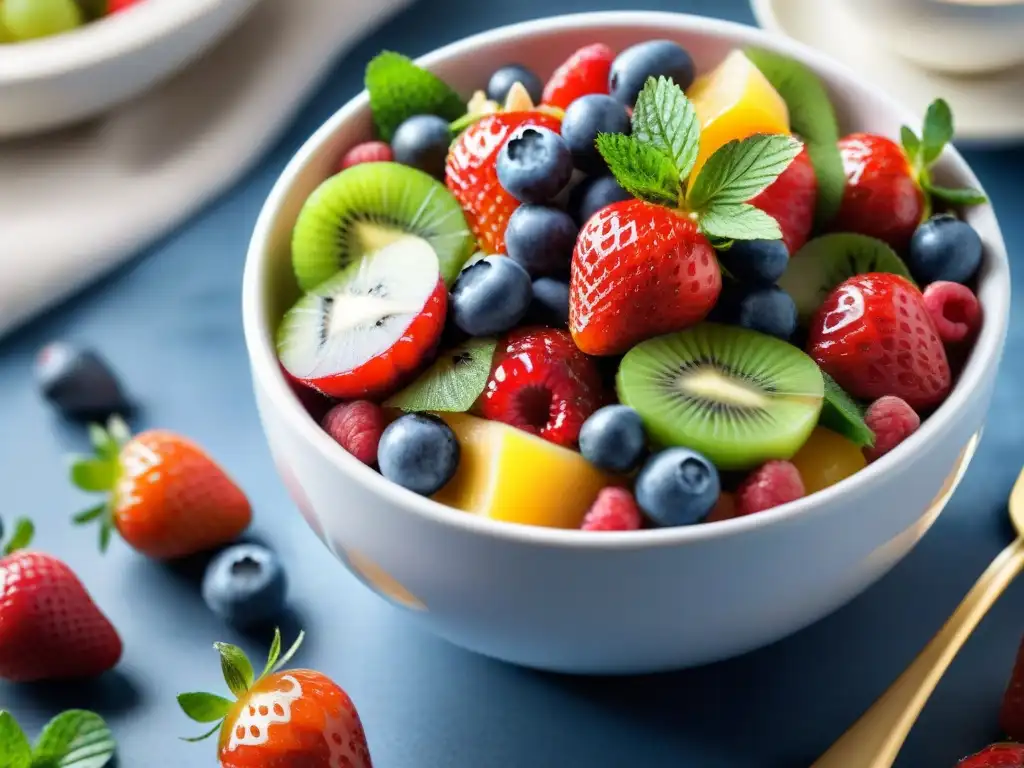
(611,602)
(55,81)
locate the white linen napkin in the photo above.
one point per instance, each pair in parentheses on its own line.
(76,203)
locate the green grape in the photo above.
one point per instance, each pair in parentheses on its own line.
(28,19)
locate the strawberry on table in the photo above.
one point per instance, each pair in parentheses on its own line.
(165,496)
(791,201)
(295,718)
(583,73)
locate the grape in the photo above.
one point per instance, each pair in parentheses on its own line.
(28,19)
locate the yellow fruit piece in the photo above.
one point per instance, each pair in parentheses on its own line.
(735,101)
(826,458)
(511,475)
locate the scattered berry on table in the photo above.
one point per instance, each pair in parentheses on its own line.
(1011,713)
(550,304)
(503,79)
(587,117)
(954,309)
(79,383)
(367,152)
(541,239)
(1005,755)
(755,262)
(585,71)
(725,508)
(614,439)
(892,421)
(245,585)
(768,310)
(826,458)
(491,296)
(614,509)
(944,248)
(791,201)
(655,58)
(677,486)
(770,485)
(356,427)
(418,451)
(593,194)
(422,142)
(534,165)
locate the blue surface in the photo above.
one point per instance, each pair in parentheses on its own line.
(170,323)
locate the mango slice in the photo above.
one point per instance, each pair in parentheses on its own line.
(826,458)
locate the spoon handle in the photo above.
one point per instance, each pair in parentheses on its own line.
(875,739)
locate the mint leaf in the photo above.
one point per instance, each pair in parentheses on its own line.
(937,132)
(738,221)
(641,170)
(74,739)
(24,530)
(741,170)
(274,653)
(204,707)
(238,671)
(666,120)
(841,414)
(290,653)
(15,751)
(964,196)
(399,89)
(93,474)
(453,383)
(911,145)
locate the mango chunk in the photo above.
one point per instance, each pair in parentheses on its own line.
(826,458)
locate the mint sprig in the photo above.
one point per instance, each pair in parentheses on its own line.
(73,739)
(741,169)
(454,381)
(641,169)
(738,221)
(400,89)
(844,415)
(666,120)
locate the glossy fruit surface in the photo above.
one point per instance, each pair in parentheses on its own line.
(653,58)
(542,239)
(584,120)
(422,142)
(245,585)
(944,248)
(791,200)
(614,439)
(1005,755)
(550,304)
(593,194)
(755,262)
(585,71)
(826,458)
(491,296)
(504,78)
(418,451)
(769,310)
(677,486)
(534,165)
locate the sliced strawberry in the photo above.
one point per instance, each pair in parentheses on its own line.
(586,71)
(790,200)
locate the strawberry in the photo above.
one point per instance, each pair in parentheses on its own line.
(1011,715)
(50,628)
(790,200)
(283,719)
(472,177)
(165,496)
(541,383)
(586,71)
(874,336)
(115,6)
(996,756)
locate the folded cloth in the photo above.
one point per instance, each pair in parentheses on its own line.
(76,203)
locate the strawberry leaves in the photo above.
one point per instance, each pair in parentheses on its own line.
(666,120)
(99,473)
(454,381)
(237,669)
(24,530)
(73,739)
(399,89)
(923,151)
(204,707)
(641,169)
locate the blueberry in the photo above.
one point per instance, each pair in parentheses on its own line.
(541,239)
(613,438)
(656,58)
(677,486)
(245,585)
(593,194)
(755,262)
(769,310)
(503,80)
(534,165)
(418,451)
(550,305)
(944,248)
(584,120)
(422,142)
(491,296)
(79,383)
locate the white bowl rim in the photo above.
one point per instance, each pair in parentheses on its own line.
(266,369)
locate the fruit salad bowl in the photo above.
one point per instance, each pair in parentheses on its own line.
(611,601)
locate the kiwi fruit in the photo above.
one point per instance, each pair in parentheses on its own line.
(368,206)
(737,396)
(826,261)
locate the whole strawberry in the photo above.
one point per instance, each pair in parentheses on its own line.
(165,496)
(874,336)
(791,200)
(583,73)
(283,719)
(996,756)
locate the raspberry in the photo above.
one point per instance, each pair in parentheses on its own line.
(356,427)
(367,152)
(772,484)
(585,72)
(892,421)
(613,510)
(725,508)
(954,309)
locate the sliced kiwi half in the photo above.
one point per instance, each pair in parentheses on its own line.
(735,395)
(826,261)
(368,206)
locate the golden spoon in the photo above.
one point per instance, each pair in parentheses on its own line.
(875,739)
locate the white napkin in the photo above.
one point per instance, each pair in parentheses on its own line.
(76,203)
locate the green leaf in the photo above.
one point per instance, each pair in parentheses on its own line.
(90,514)
(964,196)
(911,144)
(106,446)
(741,170)
(75,739)
(24,530)
(290,653)
(204,707)
(641,170)
(274,654)
(842,414)
(203,737)
(831,176)
(399,89)
(666,120)
(453,383)
(937,132)
(118,430)
(106,532)
(93,474)
(15,751)
(238,671)
(739,221)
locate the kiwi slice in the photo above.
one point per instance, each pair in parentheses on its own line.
(368,206)
(842,414)
(735,395)
(826,261)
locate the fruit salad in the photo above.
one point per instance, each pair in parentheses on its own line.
(631,295)
(22,20)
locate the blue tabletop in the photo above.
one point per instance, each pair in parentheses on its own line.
(170,323)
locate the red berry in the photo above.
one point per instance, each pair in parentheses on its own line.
(356,427)
(772,484)
(367,152)
(586,71)
(541,383)
(614,509)
(954,309)
(114,6)
(790,200)
(1011,715)
(892,421)
(996,756)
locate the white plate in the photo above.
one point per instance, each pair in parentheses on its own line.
(988,109)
